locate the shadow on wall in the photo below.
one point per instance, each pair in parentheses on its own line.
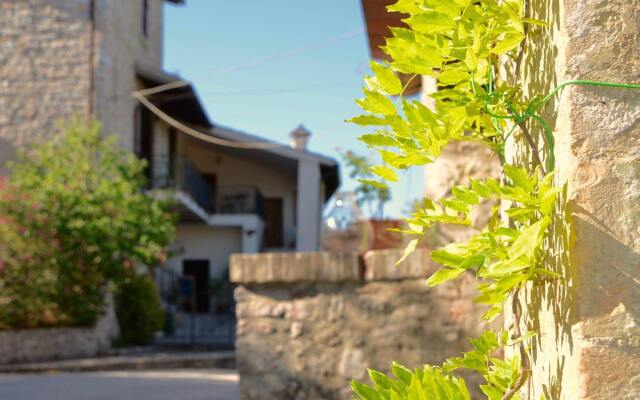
(548,306)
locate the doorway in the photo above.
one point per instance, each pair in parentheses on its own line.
(274,227)
(199,271)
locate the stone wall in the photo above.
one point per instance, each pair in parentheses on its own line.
(35,345)
(56,64)
(121,47)
(588,326)
(310,322)
(44,69)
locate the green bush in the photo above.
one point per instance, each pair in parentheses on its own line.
(74,217)
(139,312)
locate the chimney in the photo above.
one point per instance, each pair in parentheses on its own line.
(300,138)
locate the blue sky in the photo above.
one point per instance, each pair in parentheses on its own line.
(265,67)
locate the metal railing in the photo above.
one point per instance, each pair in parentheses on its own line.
(183,325)
(239,200)
(179,173)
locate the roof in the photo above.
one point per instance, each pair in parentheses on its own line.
(183,104)
(378,20)
(329,167)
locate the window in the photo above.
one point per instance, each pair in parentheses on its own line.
(145,18)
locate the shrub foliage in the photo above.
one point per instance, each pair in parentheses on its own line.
(74,217)
(138,308)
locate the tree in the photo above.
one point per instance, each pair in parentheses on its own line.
(76,218)
(368,192)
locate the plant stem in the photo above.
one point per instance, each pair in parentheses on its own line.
(524,356)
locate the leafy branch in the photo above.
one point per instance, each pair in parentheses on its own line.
(458,42)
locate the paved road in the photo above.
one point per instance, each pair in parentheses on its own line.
(125,385)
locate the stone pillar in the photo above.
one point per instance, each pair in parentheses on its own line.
(308,206)
(588,326)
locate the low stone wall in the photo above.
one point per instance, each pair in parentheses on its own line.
(36,345)
(310,322)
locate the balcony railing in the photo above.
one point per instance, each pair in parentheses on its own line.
(239,200)
(180,174)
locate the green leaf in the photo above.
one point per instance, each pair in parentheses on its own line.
(404,374)
(452,255)
(380,379)
(385,173)
(507,267)
(387,79)
(443,275)
(368,120)
(376,103)
(453,76)
(431,22)
(528,241)
(378,139)
(519,176)
(411,247)
(548,200)
(364,391)
(510,42)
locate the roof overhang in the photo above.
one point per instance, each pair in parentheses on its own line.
(181,103)
(280,156)
(378,20)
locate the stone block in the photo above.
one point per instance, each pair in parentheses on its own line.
(381,265)
(294,267)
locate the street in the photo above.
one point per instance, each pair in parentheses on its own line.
(123,385)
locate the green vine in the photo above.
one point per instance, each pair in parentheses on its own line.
(459,43)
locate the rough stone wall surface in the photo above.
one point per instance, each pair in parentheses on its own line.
(44,68)
(588,342)
(36,345)
(46,63)
(303,334)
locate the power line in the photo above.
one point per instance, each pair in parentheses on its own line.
(290,53)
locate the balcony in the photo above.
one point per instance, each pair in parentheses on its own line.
(180,174)
(239,200)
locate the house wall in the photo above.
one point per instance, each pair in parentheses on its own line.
(200,241)
(236,171)
(120,45)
